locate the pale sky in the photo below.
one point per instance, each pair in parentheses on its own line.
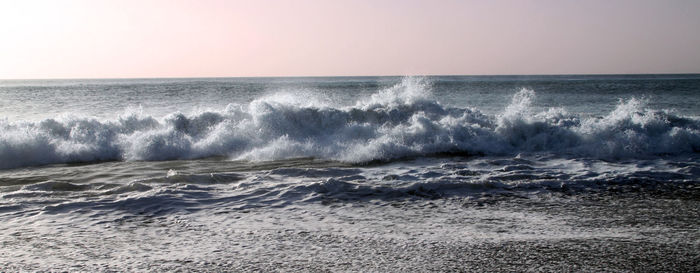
(172,38)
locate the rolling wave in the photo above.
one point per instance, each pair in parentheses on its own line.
(398,122)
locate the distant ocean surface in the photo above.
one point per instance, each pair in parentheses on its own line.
(317,173)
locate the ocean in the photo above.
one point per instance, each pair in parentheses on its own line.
(380,174)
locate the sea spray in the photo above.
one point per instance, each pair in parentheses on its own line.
(404,120)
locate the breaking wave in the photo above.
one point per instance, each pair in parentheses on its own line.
(402,121)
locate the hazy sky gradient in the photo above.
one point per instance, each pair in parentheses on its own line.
(170,38)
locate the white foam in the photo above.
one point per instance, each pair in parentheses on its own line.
(401,121)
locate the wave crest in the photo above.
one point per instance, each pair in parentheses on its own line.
(401,121)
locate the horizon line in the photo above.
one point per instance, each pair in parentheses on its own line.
(348,76)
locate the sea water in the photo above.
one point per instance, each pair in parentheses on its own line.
(319,173)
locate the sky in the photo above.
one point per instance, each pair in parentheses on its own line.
(211,38)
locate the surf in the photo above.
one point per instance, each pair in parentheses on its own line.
(404,120)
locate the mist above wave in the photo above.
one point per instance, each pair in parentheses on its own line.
(401,121)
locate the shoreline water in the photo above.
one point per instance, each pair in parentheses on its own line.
(369,174)
(610,233)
